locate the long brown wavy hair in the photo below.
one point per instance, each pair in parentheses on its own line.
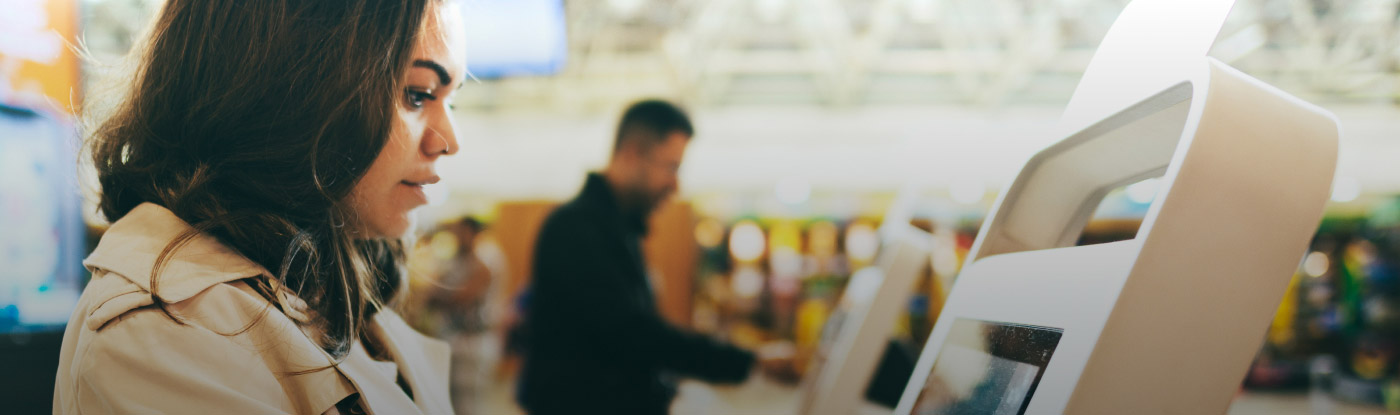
(252,120)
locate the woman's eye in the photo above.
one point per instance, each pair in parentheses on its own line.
(416,98)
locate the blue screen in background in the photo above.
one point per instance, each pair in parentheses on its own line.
(42,235)
(515,37)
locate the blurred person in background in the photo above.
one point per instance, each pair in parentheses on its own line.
(466,309)
(595,341)
(260,175)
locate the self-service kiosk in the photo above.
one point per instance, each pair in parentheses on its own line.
(861,325)
(1167,322)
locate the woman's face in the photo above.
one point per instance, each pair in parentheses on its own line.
(384,198)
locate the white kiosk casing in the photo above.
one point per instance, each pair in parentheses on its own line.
(1166,323)
(861,324)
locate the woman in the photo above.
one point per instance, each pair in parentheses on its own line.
(259,175)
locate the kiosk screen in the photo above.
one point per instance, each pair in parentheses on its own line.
(987,368)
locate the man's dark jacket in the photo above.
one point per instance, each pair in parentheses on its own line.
(595,343)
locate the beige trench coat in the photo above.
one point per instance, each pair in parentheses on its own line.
(121,355)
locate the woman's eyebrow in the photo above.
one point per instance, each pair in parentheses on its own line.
(441,72)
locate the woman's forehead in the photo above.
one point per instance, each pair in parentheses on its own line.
(444,38)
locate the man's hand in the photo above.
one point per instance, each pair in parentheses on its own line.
(776,360)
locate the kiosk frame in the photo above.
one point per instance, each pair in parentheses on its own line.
(1165,323)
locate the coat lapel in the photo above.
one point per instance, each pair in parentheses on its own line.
(423,362)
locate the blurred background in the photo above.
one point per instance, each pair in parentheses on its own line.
(815,120)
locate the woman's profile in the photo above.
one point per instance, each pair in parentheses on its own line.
(259,171)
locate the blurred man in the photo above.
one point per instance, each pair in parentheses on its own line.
(596,342)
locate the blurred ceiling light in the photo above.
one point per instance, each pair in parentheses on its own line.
(793,190)
(746,241)
(862,242)
(747,283)
(1144,191)
(709,233)
(1316,264)
(967,192)
(1346,189)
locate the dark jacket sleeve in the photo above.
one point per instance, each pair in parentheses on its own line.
(583,291)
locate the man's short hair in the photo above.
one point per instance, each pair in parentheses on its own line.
(649,122)
(471,223)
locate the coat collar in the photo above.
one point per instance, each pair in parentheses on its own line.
(598,193)
(131,246)
(426,361)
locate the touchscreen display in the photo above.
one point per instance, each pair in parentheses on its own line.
(987,368)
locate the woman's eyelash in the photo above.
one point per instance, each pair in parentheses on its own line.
(416,97)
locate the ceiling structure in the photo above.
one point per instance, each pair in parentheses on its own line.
(988,53)
(855,53)
(866,95)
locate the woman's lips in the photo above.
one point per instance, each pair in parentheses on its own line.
(424,180)
(414,187)
(415,192)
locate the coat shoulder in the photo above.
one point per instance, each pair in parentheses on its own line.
(228,343)
(110,298)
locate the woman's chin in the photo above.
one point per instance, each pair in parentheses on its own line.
(402,226)
(397,226)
